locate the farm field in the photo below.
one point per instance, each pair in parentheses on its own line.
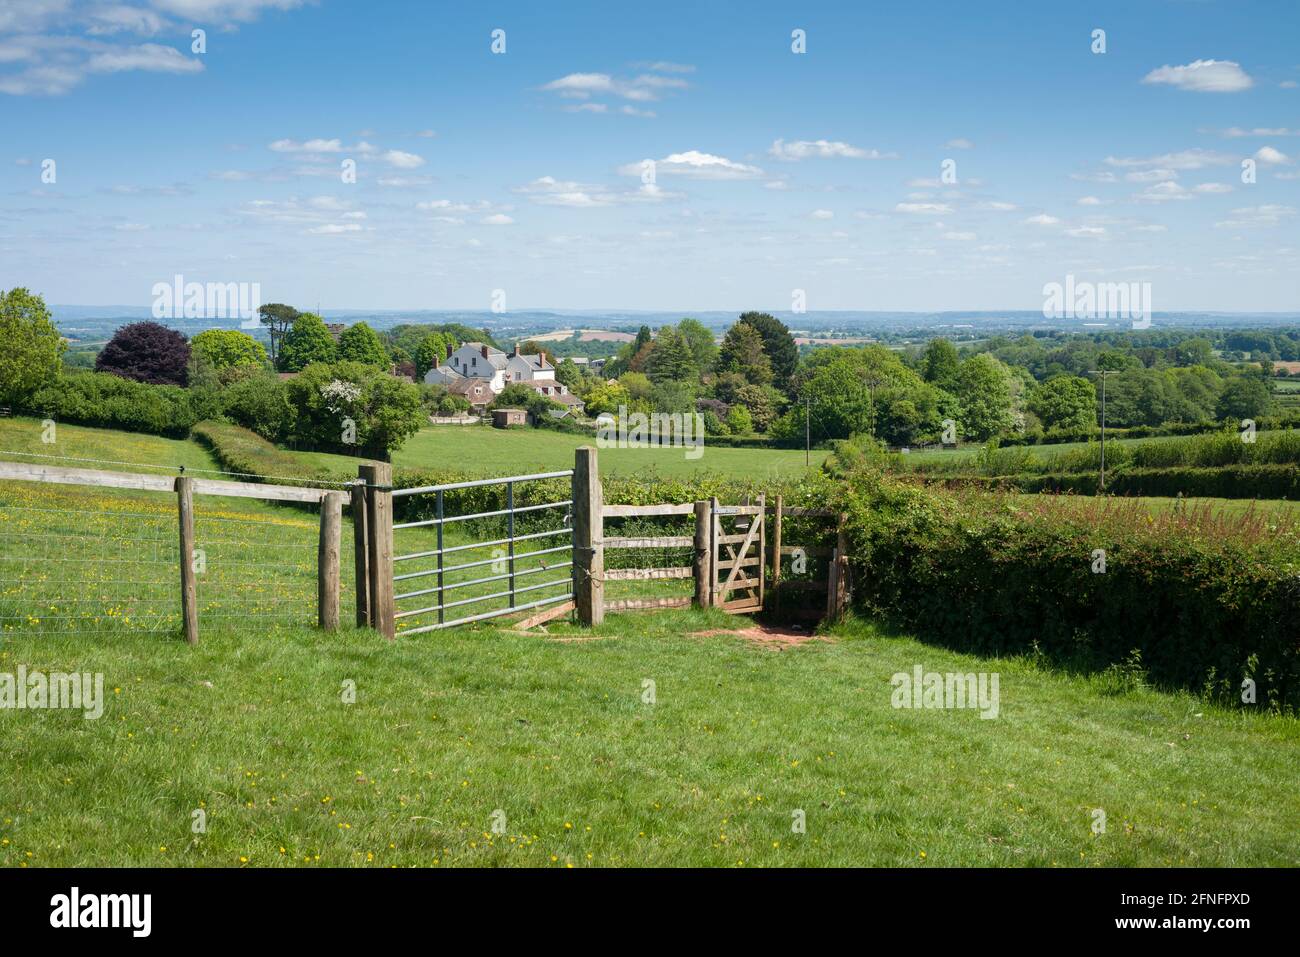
(488,451)
(448,730)
(967,454)
(1215,506)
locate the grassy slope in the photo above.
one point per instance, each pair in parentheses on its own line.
(488,451)
(450,727)
(446,730)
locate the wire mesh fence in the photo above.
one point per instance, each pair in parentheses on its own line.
(79,561)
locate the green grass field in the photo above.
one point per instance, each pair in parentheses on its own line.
(487,451)
(446,731)
(553,730)
(967,454)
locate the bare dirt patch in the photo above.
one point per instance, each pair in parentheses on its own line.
(777,638)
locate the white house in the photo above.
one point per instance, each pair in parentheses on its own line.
(475,360)
(522,368)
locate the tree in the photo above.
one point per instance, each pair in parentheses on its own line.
(32,346)
(278,318)
(307,342)
(700,341)
(739,420)
(358,343)
(742,352)
(227,348)
(354,407)
(1244,397)
(569,375)
(605,398)
(761,404)
(983,388)
(939,364)
(146,352)
(672,359)
(778,344)
(1065,402)
(432,347)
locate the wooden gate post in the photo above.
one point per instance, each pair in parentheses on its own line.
(379,528)
(714,596)
(327,560)
(361,552)
(837,579)
(776,552)
(588,538)
(703,555)
(189,586)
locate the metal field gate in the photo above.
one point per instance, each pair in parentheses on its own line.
(739,556)
(511,558)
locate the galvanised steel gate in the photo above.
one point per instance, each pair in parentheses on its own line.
(429,607)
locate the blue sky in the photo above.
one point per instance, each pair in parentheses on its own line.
(773,170)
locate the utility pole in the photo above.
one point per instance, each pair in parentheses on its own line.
(1103,373)
(807,433)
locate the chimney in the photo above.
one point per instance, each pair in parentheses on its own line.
(483,349)
(449,352)
(435,362)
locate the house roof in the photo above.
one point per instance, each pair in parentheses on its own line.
(537,361)
(466,387)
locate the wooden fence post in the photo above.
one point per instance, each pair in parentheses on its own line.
(588,538)
(837,578)
(713,553)
(327,560)
(776,551)
(189,587)
(703,556)
(379,528)
(361,553)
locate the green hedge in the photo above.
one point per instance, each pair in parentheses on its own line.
(1228,481)
(1204,603)
(111,402)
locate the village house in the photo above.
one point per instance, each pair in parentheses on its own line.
(480,372)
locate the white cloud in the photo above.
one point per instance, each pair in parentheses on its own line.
(1089,201)
(960,143)
(1182,160)
(1162,192)
(694,164)
(1086,232)
(309,146)
(960,237)
(996,206)
(823,149)
(1235,132)
(1203,76)
(1266,215)
(549,191)
(401,160)
(925,209)
(497,219)
(1042,219)
(1272,157)
(334,229)
(821,214)
(1150,176)
(1211,188)
(587,108)
(644,88)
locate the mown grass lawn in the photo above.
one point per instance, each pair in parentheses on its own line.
(449,729)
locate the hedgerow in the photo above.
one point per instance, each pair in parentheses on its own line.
(1204,601)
